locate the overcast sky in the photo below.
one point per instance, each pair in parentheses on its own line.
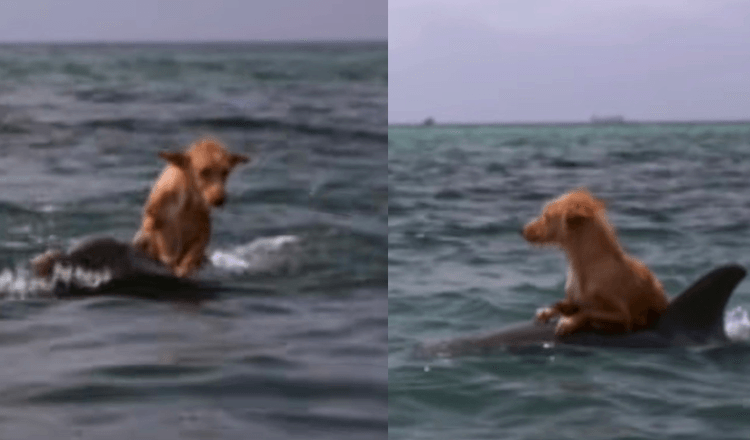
(193,20)
(566,60)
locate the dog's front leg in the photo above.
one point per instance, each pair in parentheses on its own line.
(546,313)
(193,258)
(570,324)
(188,266)
(165,249)
(564,307)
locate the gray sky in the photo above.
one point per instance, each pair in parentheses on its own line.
(566,60)
(194,20)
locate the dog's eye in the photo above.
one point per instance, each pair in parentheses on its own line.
(224,174)
(205,172)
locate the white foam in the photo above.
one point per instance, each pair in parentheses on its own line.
(737,324)
(262,255)
(228,261)
(20,284)
(81,277)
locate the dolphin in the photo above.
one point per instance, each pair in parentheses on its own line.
(695,317)
(105,266)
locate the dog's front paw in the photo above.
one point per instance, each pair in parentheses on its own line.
(181,272)
(565,326)
(545,314)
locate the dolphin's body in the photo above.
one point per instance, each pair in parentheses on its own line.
(122,270)
(695,317)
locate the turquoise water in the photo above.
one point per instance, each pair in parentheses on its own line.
(295,344)
(679,197)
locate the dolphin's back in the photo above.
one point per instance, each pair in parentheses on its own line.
(697,314)
(694,317)
(130,273)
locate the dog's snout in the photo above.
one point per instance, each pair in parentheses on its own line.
(529,233)
(220,201)
(526,230)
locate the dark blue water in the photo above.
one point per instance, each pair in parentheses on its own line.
(295,344)
(678,196)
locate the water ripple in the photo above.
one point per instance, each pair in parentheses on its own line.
(677,197)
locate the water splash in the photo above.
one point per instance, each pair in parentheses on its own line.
(263,255)
(737,324)
(21,284)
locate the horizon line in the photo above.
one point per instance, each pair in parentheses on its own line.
(569,123)
(194,41)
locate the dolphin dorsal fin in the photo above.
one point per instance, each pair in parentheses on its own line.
(698,312)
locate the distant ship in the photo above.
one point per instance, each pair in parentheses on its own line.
(429,121)
(614,119)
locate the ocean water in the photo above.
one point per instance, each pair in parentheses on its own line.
(679,197)
(295,344)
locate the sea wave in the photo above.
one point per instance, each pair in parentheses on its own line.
(279,254)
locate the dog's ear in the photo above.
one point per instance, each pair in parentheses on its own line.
(176,158)
(598,204)
(237,159)
(577,213)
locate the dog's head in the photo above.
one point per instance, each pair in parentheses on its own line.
(208,163)
(562,215)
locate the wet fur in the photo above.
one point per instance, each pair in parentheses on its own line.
(176,226)
(606,289)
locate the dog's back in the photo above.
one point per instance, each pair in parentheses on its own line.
(647,298)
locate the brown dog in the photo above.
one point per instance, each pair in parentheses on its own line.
(606,289)
(176,224)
